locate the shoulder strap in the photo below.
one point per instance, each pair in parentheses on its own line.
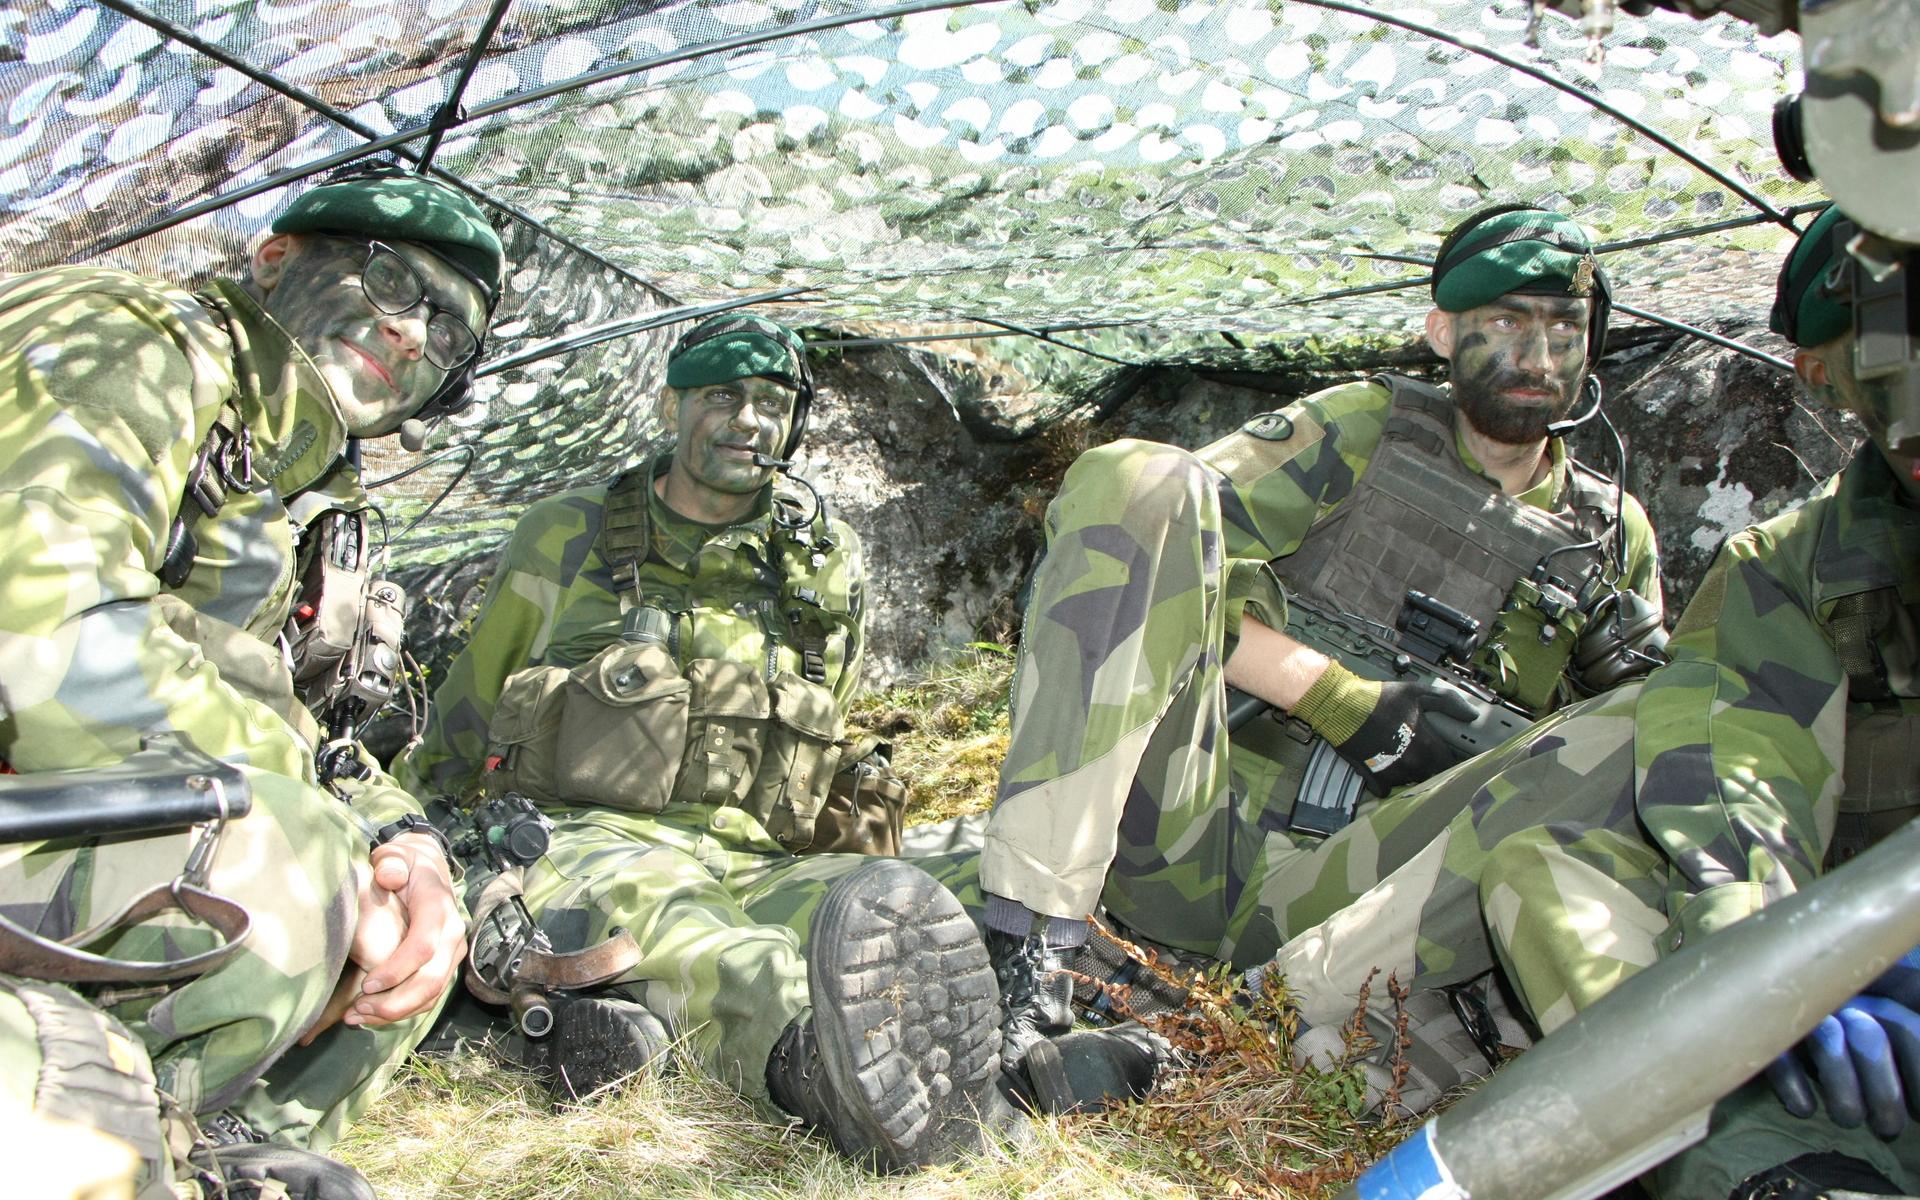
(1853,626)
(807,622)
(1422,414)
(222,465)
(626,533)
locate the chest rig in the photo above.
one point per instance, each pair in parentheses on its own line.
(651,722)
(796,551)
(1419,520)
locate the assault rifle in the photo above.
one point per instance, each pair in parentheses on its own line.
(511,961)
(1433,642)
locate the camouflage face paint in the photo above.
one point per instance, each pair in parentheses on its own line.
(1517,364)
(721,427)
(372,361)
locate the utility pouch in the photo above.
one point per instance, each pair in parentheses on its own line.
(866,804)
(623,727)
(524,734)
(726,731)
(326,618)
(1527,654)
(797,763)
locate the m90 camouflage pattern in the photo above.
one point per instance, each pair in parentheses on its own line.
(1432,644)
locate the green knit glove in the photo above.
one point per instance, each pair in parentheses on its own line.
(1379,727)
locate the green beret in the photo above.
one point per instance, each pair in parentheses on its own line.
(403,207)
(734,346)
(1802,311)
(1506,250)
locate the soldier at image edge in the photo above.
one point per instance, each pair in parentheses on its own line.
(1778,744)
(151,442)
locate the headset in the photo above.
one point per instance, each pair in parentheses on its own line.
(801,383)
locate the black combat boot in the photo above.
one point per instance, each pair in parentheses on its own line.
(1036,993)
(896,1063)
(1817,1177)
(236,1162)
(595,1042)
(1093,1068)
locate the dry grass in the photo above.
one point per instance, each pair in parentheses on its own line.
(1235,1119)
(948,726)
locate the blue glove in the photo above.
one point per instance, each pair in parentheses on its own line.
(1866,1056)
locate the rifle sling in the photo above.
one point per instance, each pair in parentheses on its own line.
(23,952)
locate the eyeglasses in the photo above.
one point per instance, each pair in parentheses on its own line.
(393,286)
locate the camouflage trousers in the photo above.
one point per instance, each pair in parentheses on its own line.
(225,1039)
(1120,788)
(721,914)
(1537,866)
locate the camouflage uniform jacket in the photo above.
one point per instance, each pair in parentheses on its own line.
(109,383)
(1277,488)
(1739,744)
(553,602)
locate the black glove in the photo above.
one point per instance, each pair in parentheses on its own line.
(1381,728)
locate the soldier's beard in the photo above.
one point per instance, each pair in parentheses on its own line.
(1483,399)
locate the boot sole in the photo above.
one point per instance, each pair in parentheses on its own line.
(592,1047)
(907,1013)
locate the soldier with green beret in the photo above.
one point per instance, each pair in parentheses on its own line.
(151,443)
(662,664)
(1167,577)
(1779,743)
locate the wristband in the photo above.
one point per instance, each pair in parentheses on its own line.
(412,823)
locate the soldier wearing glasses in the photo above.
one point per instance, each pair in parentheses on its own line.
(134,600)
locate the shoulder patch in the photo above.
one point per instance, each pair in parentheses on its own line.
(1270,427)
(1264,445)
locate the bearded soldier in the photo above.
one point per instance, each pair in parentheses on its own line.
(1379,504)
(662,665)
(151,443)
(1778,744)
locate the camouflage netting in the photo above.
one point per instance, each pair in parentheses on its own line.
(1274,170)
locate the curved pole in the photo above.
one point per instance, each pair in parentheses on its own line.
(1373,13)
(1705,335)
(737,42)
(307,100)
(610,330)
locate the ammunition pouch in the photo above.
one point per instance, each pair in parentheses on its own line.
(627,729)
(769,748)
(865,809)
(1526,654)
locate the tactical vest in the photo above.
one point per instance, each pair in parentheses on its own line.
(1420,518)
(799,550)
(641,725)
(1874,636)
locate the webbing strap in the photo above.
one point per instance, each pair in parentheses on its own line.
(626,534)
(1852,627)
